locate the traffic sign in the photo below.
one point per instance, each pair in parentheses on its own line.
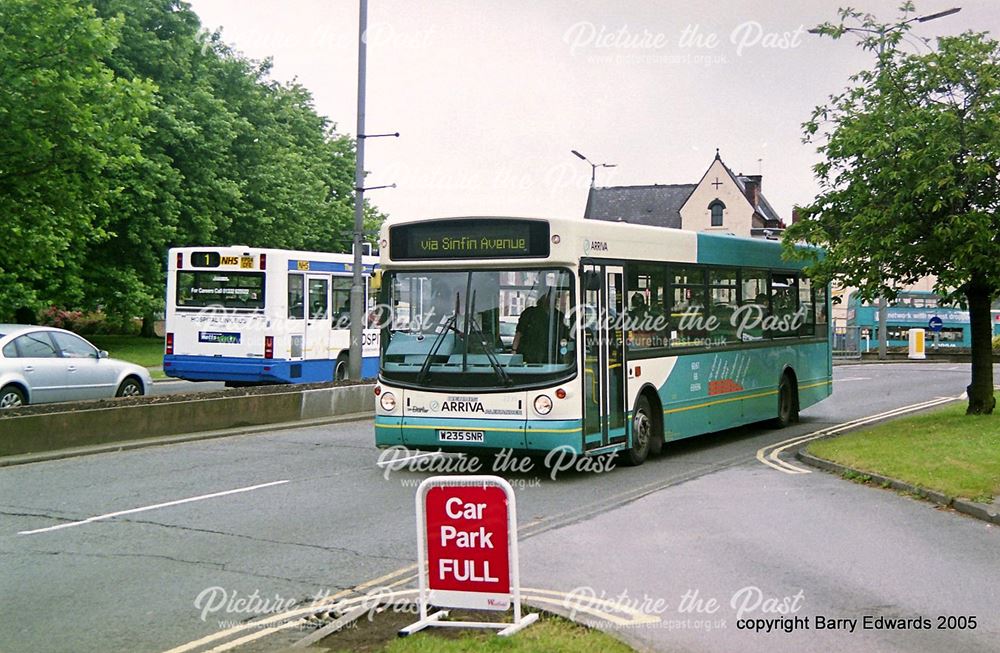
(467,551)
(935,324)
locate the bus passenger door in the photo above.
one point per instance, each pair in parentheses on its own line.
(603,347)
(318,318)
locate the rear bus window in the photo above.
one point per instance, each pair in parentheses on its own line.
(237,290)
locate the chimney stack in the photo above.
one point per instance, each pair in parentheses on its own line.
(751,185)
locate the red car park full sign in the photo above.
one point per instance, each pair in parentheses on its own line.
(467,550)
(468,553)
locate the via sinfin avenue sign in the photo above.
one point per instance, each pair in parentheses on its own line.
(467,551)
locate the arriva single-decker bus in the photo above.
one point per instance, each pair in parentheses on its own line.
(595,337)
(247,316)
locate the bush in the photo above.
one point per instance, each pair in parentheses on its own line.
(88,323)
(62,319)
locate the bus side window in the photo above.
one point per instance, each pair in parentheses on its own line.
(296,294)
(784,302)
(819,292)
(342,302)
(754,305)
(808,327)
(647,320)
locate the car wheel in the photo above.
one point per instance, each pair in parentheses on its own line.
(130,387)
(12,397)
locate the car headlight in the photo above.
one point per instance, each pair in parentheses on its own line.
(543,404)
(388,401)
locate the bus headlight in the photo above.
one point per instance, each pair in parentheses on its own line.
(388,401)
(543,404)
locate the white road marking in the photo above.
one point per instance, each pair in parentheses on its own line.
(853,378)
(769,455)
(157,506)
(383,463)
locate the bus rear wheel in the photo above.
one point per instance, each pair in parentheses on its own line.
(788,405)
(643,432)
(341,371)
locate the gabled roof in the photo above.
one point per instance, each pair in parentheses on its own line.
(657,205)
(764,208)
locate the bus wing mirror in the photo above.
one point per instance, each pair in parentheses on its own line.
(375,281)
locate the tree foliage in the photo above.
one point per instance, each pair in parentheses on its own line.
(70,129)
(131,130)
(909,181)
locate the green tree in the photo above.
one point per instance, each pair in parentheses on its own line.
(70,129)
(909,181)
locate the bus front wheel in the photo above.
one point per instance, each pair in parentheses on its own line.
(643,428)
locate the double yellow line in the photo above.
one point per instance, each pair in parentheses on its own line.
(770,455)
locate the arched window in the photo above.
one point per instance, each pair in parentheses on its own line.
(716,207)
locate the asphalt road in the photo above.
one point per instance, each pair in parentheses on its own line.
(314,514)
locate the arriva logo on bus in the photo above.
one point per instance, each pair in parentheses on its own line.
(590,246)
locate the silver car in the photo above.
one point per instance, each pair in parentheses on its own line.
(42,364)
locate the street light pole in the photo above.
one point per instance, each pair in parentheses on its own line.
(593,166)
(357,277)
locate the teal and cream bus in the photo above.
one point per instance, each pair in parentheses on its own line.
(624,337)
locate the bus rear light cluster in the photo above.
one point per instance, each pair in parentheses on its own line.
(268,346)
(170,341)
(180,260)
(560,393)
(263,261)
(378,390)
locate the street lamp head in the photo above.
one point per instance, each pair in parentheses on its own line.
(940,14)
(578,154)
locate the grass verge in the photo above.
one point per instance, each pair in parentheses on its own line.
(147,352)
(550,633)
(944,450)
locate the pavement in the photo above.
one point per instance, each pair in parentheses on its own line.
(800,551)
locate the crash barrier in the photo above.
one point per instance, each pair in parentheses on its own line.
(82,426)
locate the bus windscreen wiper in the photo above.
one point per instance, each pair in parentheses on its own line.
(436,345)
(490,356)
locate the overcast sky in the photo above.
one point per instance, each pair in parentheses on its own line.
(491,96)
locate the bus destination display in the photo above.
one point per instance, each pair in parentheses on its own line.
(467,239)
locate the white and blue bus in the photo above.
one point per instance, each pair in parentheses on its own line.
(625,337)
(247,315)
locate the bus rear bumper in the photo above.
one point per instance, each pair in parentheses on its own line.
(249,370)
(433,434)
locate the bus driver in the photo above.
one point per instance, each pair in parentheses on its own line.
(535,328)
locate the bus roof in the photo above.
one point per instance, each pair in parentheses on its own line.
(568,240)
